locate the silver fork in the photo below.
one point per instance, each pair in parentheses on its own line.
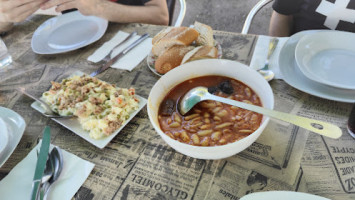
(265,71)
(108,56)
(118,56)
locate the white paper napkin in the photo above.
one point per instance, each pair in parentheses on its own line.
(128,61)
(17,185)
(260,54)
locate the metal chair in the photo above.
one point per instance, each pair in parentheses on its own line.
(181,15)
(252,13)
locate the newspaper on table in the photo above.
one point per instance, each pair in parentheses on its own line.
(329,165)
(138,164)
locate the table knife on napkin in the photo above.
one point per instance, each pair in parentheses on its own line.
(41,162)
(124,52)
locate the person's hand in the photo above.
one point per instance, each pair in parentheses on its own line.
(152,12)
(17,10)
(86,7)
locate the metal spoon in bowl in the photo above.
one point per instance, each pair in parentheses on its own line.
(57,158)
(48,110)
(198,94)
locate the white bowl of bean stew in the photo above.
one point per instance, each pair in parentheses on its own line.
(211,130)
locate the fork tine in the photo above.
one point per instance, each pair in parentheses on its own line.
(108,56)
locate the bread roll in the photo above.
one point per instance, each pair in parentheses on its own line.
(200,52)
(205,34)
(173,36)
(171,58)
(161,34)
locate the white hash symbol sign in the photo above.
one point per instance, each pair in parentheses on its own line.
(336,12)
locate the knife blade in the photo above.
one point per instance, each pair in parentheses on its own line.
(41,162)
(124,52)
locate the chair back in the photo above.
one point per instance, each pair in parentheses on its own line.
(182,11)
(252,13)
(171,8)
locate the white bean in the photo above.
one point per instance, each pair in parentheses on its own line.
(195,139)
(224,125)
(204,132)
(174,125)
(189,117)
(177,118)
(222,113)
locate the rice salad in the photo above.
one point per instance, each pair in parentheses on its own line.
(101,107)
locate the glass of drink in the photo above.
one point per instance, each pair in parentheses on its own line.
(5,57)
(351,122)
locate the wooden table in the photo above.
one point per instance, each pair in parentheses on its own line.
(137,164)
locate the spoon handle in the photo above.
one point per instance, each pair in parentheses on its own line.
(320,127)
(272,46)
(21,89)
(57,156)
(48,110)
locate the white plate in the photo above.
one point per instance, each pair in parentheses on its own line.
(292,75)
(272,195)
(328,58)
(4,138)
(151,59)
(67,32)
(15,125)
(74,125)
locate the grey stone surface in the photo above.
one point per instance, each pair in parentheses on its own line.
(226,15)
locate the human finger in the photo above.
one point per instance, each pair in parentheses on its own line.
(66,6)
(53,3)
(7,5)
(17,3)
(24,15)
(17,15)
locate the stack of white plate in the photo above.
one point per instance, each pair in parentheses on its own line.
(321,63)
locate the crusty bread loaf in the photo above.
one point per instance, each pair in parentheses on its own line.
(174,46)
(161,34)
(173,36)
(205,34)
(171,58)
(200,52)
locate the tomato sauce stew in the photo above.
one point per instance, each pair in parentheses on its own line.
(210,123)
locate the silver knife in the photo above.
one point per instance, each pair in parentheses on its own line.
(124,52)
(41,163)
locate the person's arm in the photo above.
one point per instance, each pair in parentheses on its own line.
(153,12)
(280,25)
(12,11)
